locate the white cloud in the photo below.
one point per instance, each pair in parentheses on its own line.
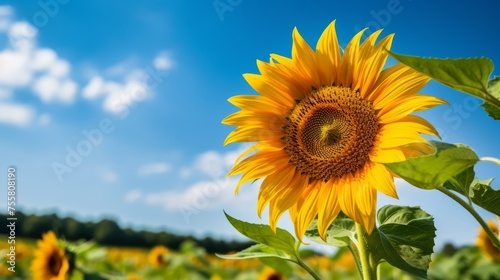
(154,168)
(94,88)
(215,191)
(201,195)
(119,69)
(118,96)
(50,88)
(216,164)
(163,61)
(6,15)
(16,114)
(22,36)
(109,176)
(133,195)
(24,65)
(15,69)
(43,59)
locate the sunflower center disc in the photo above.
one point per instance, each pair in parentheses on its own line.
(330,133)
(54,264)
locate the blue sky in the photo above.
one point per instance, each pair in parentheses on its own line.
(148,81)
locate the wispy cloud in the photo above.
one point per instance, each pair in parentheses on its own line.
(213,191)
(133,196)
(154,168)
(125,85)
(16,114)
(163,61)
(203,195)
(109,176)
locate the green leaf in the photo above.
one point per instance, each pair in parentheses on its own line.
(492,110)
(281,240)
(405,238)
(339,234)
(478,191)
(461,182)
(469,75)
(483,195)
(431,171)
(493,89)
(258,251)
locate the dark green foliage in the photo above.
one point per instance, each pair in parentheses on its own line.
(108,232)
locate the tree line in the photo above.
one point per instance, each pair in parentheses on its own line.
(108,232)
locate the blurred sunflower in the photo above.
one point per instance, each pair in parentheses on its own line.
(133,276)
(270,274)
(4,270)
(324,123)
(156,256)
(50,262)
(346,262)
(484,243)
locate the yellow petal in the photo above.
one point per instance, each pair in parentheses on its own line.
(260,84)
(284,78)
(366,201)
(387,155)
(272,186)
(395,82)
(286,198)
(404,106)
(328,55)
(380,178)
(305,59)
(256,103)
(328,206)
(372,62)
(306,210)
(349,60)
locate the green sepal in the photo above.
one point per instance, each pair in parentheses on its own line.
(339,234)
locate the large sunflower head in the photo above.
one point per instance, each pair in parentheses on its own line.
(50,262)
(484,243)
(324,122)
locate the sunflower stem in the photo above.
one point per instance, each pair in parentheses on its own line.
(356,257)
(491,235)
(368,268)
(490,159)
(308,269)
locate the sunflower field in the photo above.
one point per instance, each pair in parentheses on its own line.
(53,258)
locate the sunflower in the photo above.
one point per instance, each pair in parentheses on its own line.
(270,274)
(484,243)
(156,256)
(50,262)
(324,123)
